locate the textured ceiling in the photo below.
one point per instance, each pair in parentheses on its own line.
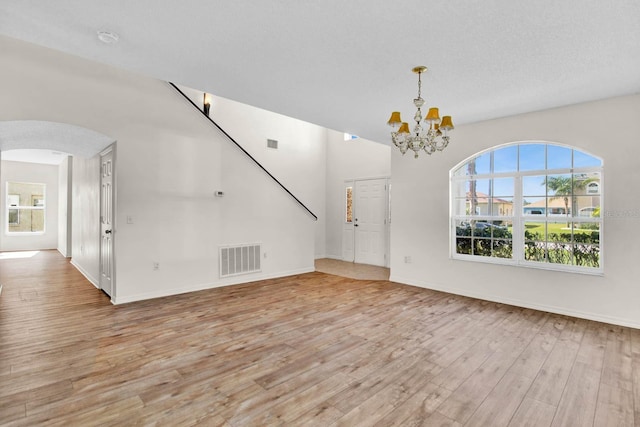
(61,137)
(345,64)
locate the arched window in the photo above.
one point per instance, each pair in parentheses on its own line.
(593,188)
(530,203)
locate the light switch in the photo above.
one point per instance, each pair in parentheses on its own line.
(129,219)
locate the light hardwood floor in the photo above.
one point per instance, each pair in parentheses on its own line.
(313,349)
(351,270)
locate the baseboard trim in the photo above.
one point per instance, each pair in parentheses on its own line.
(519,303)
(237,280)
(87,276)
(62,253)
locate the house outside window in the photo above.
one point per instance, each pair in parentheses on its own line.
(534,204)
(26,208)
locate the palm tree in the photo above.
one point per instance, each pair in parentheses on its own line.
(471,170)
(564,186)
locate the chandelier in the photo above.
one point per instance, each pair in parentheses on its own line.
(429,136)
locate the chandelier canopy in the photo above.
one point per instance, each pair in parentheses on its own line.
(429,133)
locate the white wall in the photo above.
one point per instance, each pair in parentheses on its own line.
(168,164)
(64,206)
(85,217)
(299,162)
(609,129)
(347,160)
(36,173)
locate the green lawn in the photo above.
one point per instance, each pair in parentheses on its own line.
(553,227)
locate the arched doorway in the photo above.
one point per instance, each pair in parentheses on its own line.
(78,187)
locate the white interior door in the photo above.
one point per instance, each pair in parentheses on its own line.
(370,221)
(106,222)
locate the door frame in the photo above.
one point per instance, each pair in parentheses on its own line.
(112,272)
(350,226)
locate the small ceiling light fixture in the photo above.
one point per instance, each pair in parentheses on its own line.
(206,103)
(108,37)
(431,138)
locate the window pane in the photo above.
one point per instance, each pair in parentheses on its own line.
(535,241)
(559,243)
(559,232)
(463,246)
(483,186)
(535,231)
(505,159)
(37,220)
(491,229)
(587,255)
(463,237)
(586,206)
(481,247)
(478,196)
(560,253)
(586,249)
(558,157)
(583,182)
(463,228)
(502,248)
(481,229)
(501,206)
(480,165)
(534,206)
(534,185)
(14,217)
(535,251)
(349,204)
(503,187)
(558,206)
(459,188)
(461,206)
(532,157)
(583,160)
(559,185)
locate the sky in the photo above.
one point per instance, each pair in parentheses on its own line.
(525,158)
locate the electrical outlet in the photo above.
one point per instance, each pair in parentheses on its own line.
(265,254)
(156,266)
(407,259)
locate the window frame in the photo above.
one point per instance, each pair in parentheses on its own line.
(518,217)
(22,207)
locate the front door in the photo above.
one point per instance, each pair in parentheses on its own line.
(369,221)
(106,222)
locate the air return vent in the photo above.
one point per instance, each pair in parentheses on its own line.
(272,143)
(239,259)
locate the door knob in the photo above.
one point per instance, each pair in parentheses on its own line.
(107,231)
(355,225)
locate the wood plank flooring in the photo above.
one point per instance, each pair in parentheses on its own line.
(313,350)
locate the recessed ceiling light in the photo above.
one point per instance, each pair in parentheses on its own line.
(107,37)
